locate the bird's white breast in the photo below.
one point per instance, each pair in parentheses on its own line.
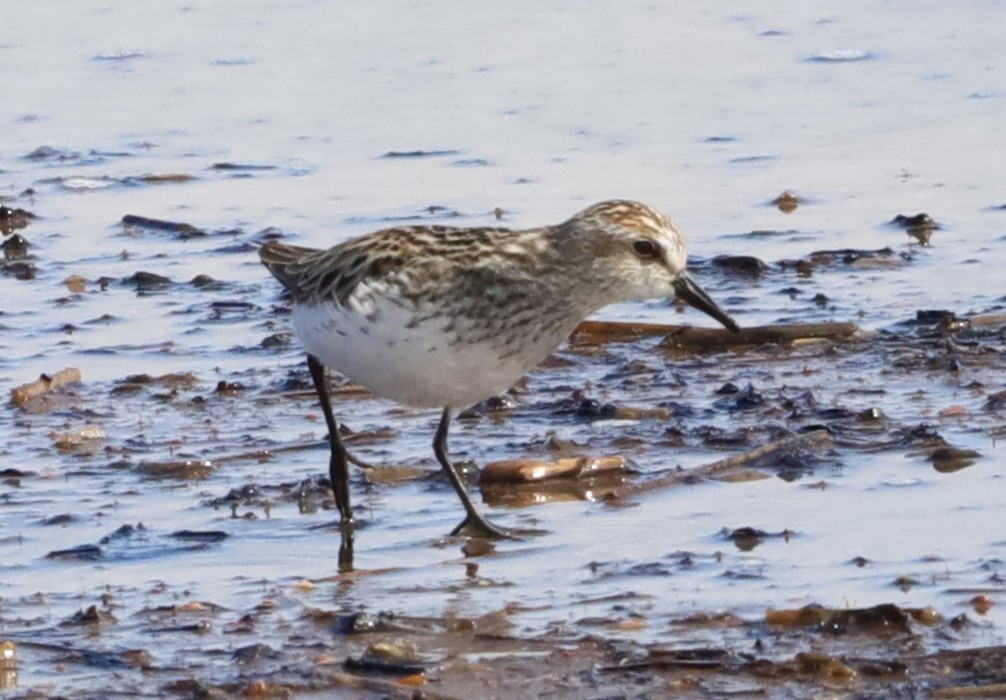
(382,346)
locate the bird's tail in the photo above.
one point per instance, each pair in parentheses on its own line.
(284,262)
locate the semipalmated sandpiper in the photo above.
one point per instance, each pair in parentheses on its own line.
(445,317)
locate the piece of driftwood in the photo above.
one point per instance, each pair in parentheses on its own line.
(993,690)
(524,471)
(161,225)
(986,321)
(816,440)
(43,385)
(691,338)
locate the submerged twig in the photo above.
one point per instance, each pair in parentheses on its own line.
(599,332)
(700,339)
(994,690)
(394,690)
(816,440)
(184,466)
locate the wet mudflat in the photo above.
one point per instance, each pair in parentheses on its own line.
(815,506)
(806,505)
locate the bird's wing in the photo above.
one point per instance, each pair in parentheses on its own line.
(417,261)
(335,274)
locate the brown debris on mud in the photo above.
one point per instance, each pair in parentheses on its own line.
(307,650)
(32,396)
(301,638)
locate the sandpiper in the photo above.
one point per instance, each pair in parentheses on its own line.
(434,316)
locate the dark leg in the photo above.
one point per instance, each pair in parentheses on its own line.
(338,471)
(473,523)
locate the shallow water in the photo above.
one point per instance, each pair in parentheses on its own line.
(706,112)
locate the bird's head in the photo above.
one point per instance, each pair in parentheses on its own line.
(635,252)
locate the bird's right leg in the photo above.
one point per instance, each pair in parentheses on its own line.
(337,467)
(474,523)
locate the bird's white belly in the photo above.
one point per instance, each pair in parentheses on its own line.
(418,366)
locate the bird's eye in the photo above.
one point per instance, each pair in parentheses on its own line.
(645,248)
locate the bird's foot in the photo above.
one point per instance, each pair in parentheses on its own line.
(474,525)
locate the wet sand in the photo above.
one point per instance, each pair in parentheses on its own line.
(167,529)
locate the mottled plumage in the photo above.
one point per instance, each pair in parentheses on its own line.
(440,316)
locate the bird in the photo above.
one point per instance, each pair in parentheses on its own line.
(444,317)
